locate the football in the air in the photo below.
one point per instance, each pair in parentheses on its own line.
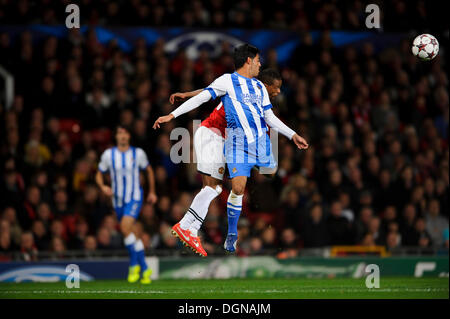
(425,47)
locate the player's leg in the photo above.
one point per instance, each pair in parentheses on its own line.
(187,229)
(234,208)
(234,203)
(134,245)
(211,164)
(126,225)
(139,248)
(194,217)
(133,210)
(240,161)
(212,187)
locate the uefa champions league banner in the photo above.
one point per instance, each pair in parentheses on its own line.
(227,267)
(193,40)
(54,271)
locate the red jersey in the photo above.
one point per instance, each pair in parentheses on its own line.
(216,120)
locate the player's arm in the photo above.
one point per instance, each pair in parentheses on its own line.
(151,197)
(217,88)
(186,107)
(103,167)
(182,96)
(274,122)
(101,184)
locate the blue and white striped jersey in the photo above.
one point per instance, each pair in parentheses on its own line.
(124,171)
(245,100)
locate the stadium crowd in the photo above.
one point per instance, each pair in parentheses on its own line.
(376,172)
(296,15)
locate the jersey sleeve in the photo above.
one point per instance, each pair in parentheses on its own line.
(219,86)
(105,159)
(142,159)
(266,105)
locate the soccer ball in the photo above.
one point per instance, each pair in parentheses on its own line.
(425,47)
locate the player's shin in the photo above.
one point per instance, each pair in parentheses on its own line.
(196,214)
(130,242)
(140,252)
(234,208)
(200,209)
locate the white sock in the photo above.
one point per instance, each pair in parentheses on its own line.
(138,245)
(130,239)
(196,214)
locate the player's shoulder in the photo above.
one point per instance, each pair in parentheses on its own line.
(258,83)
(224,77)
(108,151)
(139,151)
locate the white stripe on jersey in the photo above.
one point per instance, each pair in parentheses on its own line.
(241,116)
(254,112)
(257,89)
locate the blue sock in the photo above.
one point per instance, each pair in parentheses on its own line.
(233,218)
(139,247)
(234,208)
(130,241)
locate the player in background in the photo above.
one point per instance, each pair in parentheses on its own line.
(208,145)
(124,164)
(247,110)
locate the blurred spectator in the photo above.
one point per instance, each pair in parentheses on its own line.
(28,212)
(256,246)
(408,225)
(57,229)
(104,239)
(421,237)
(149,219)
(288,239)
(110,223)
(435,223)
(211,228)
(339,228)
(375,231)
(81,234)
(5,233)
(315,230)
(9,215)
(393,240)
(269,238)
(362,223)
(90,244)
(291,209)
(44,214)
(389,216)
(40,235)
(28,249)
(58,247)
(146,240)
(12,189)
(6,246)
(61,206)
(167,240)
(368,240)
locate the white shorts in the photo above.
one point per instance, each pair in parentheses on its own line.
(209,152)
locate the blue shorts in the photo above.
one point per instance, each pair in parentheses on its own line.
(132,208)
(242,157)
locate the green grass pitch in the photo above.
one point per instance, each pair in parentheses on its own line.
(293,288)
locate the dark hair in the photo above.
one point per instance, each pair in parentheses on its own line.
(267,76)
(125,127)
(242,52)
